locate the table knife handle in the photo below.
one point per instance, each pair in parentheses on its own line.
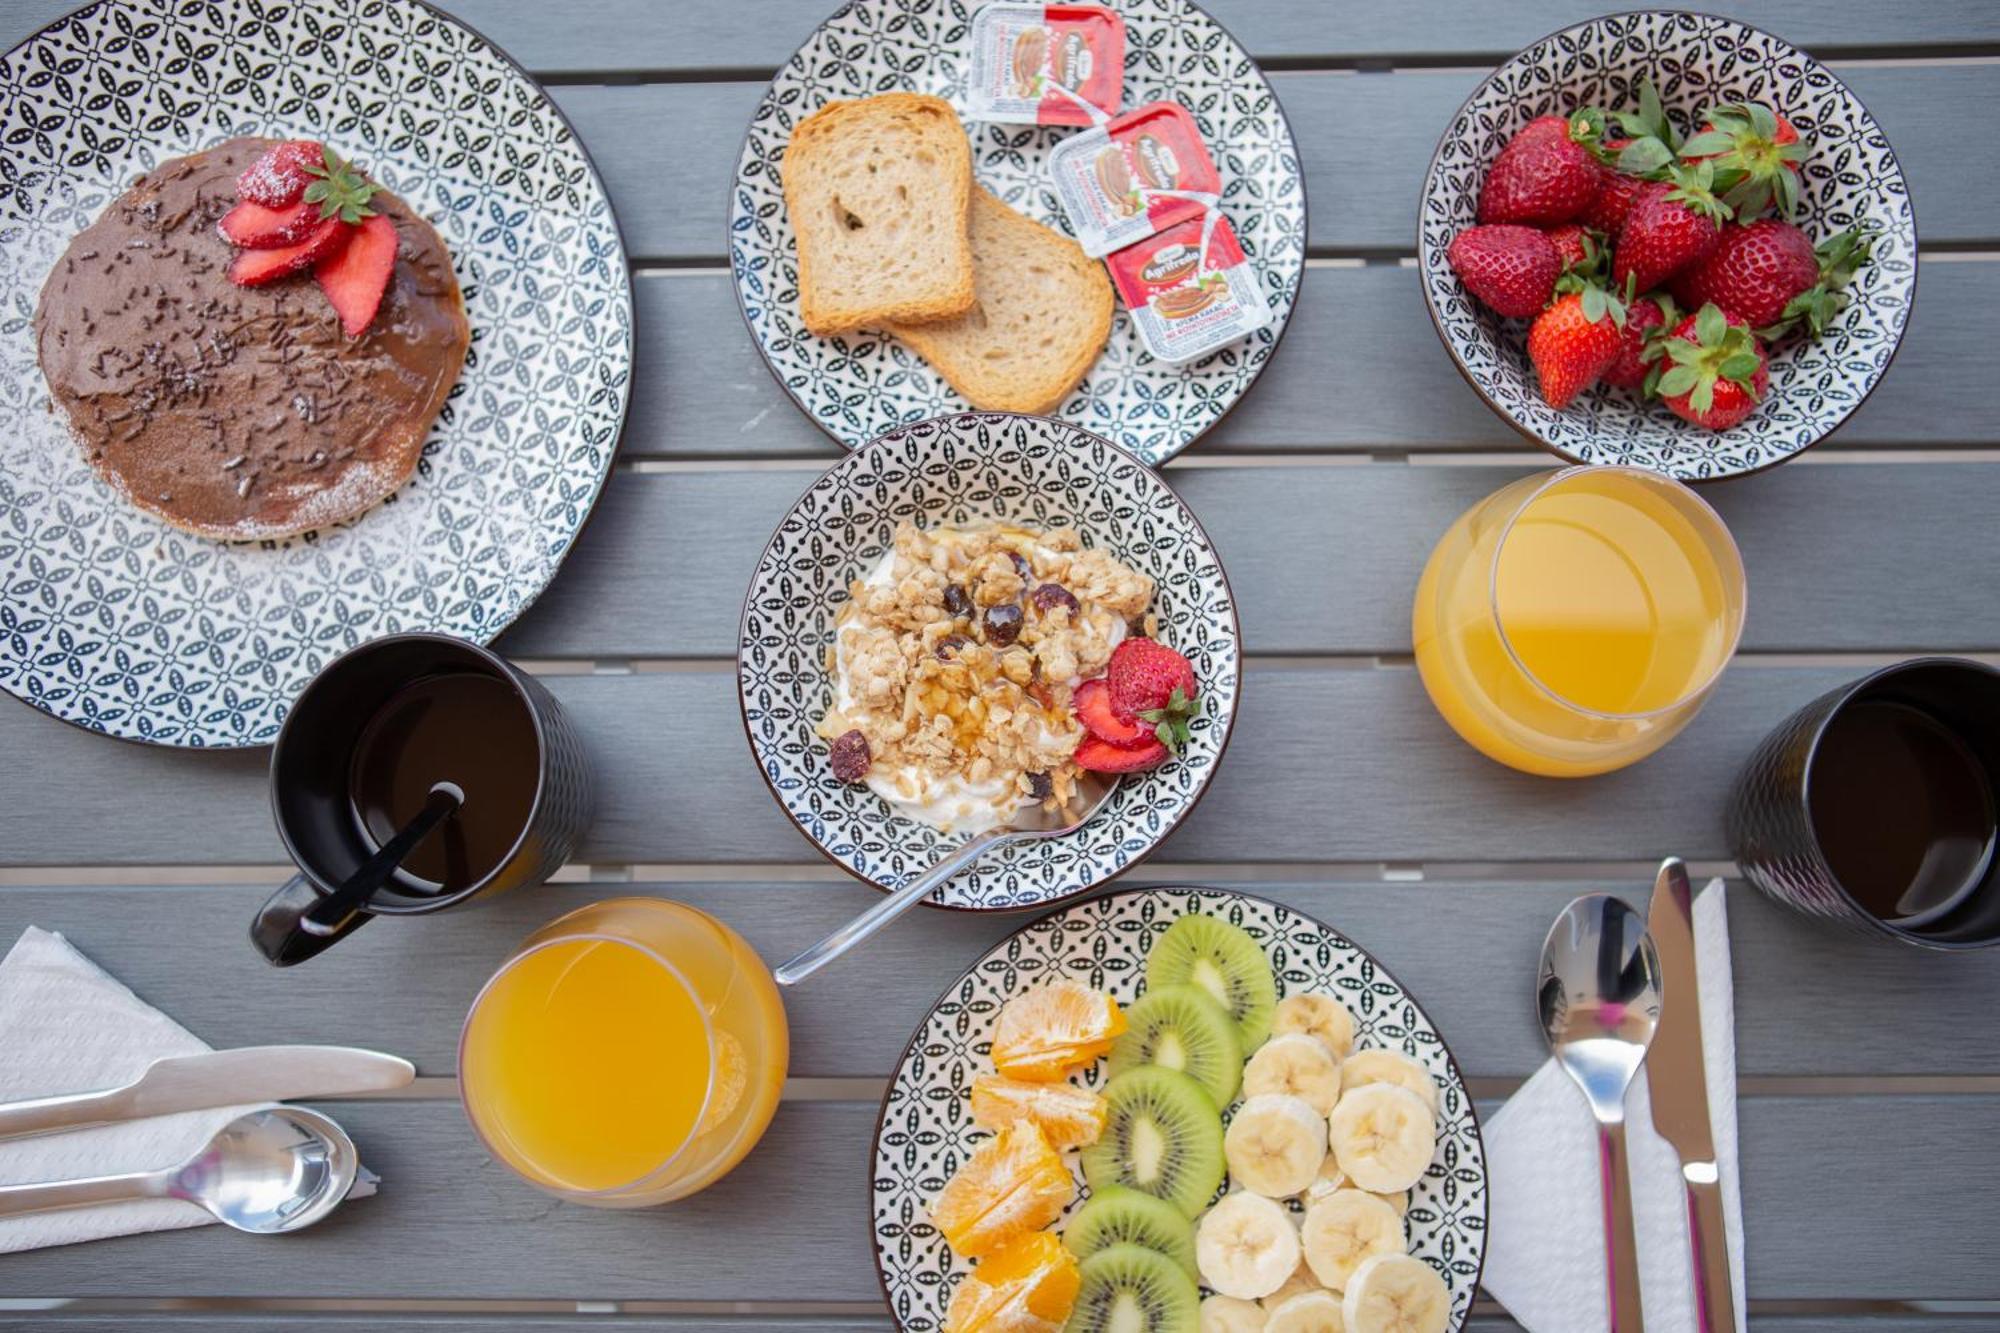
(1621,1249)
(1708,1247)
(75,1110)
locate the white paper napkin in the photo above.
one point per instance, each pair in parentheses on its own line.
(1545,1246)
(68,1026)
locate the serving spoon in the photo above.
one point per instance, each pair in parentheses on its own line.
(265,1172)
(1599,998)
(1031,823)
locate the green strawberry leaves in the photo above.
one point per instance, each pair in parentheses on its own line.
(1654,141)
(1753,170)
(1840,258)
(340,191)
(1720,351)
(1170,724)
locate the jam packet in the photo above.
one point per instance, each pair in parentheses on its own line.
(1046,64)
(1132,176)
(1190,288)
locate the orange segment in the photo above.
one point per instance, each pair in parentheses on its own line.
(1072,1117)
(1027,1285)
(1044,1033)
(1014,1183)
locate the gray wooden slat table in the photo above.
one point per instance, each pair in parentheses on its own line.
(1871,1077)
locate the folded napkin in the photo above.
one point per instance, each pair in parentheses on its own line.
(68,1026)
(1545,1246)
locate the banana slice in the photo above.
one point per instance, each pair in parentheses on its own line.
(1383,1136)
(1320,1016)
(1396,1293)
(1246,1246)
(1365,1067)
(1345,1228)
(1275,1145)
(1302,1279)
(1296,1064)
(1330,1178)
(1308,1312)
(1227,1314)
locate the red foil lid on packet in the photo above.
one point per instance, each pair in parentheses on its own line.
(1046,64)
(1110,178)
(1190,289)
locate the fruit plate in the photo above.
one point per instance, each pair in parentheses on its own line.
(857,386)
(958,470)
(118,623)
(1695,60)
(925,1131)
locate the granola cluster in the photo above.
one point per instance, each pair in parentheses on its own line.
(955,662)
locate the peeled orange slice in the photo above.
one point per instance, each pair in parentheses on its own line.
(1044,1033)
(1014,1183)
(1072,1117)
(1027,1285)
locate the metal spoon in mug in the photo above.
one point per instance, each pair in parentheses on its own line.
(264,1172)
(1599,997)
(330,913)
(1032,822)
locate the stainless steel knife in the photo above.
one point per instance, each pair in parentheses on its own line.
(217,1078)
(1677,1078)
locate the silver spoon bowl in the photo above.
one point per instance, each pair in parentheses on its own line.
(265,1172)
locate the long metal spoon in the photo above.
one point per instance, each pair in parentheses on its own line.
(1030,823)
(1599,996)
(264,1172)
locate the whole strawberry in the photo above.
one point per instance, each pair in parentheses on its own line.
(1629,161)
(1676,222)
(1512,269)
(1715,371)
(1573,342)
(1646,321)
(1616,193)
(1545,174)
(1771,274)
(1756,154)
(1154,684)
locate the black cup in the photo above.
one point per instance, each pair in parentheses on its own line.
(1770,818)
(311,778)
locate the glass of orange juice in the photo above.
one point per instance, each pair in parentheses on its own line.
(629,1054)
(1574,621)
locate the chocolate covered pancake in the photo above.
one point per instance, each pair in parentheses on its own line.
(241,412)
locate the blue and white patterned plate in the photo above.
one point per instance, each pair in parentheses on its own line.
(1696,60)
(926,1132)
(956,471)
(112,620)
(859,385)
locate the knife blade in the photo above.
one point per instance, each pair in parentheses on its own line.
(214,1078)
(1677,1084)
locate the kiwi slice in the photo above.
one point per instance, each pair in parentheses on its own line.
(1131,1289)
(1162,1136)
(1120,1216)
(1224,961)
(1184,1028)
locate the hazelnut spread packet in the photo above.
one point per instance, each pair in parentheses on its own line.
(1124,180)
(1046,64)
(1190,289)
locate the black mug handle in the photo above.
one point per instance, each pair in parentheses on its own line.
(281,932)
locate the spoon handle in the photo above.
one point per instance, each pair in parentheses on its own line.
(888,908)
(1620,1245)
(48,1197)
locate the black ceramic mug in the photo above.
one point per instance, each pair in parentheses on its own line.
(364,746)
(1874,806)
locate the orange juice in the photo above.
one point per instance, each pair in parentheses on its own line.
(1574,622)
(632,1052)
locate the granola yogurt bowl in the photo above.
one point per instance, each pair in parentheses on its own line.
(935,601)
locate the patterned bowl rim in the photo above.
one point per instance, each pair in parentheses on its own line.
(1520,427)
(1283,321)
(1202,783)
(624,407)
(1451,1058)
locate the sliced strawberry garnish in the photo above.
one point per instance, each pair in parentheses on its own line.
(1100,756)
(279,178)
(255,227)
(254,268)
(355,278)
(1092,705)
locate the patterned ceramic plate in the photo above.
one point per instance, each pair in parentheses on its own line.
(960,470)
(1696,60)
(858,386)
(926,1129)
(114,621)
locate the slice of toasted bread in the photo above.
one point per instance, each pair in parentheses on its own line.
(1041,316)
(877,192)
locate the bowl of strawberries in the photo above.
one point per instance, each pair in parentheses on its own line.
(1668,240)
